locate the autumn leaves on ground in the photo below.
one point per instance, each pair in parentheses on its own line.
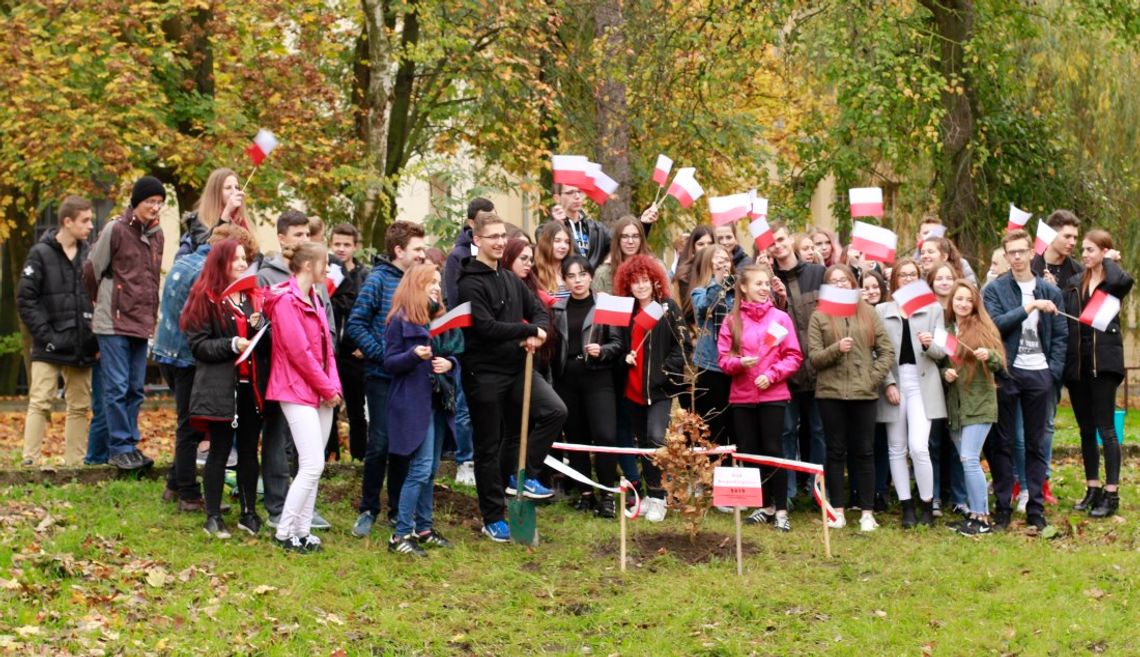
(107,568)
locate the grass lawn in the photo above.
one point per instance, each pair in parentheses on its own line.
(108,569)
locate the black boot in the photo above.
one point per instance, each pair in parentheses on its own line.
(908,519)
(926,513)
(1109,504)
(880,503)
(1091,499)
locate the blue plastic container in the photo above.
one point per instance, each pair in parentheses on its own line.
(1119,421)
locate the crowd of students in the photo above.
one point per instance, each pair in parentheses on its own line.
(261,351)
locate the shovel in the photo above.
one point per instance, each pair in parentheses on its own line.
(520,511)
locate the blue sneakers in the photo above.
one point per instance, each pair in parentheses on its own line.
(498,531)
(532,489)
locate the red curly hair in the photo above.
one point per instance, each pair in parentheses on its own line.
(641,266)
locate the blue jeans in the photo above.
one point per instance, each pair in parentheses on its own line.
(97,433)
(939,429)
(792,434)
(416,494)
(970,439)
(124,374)
(464,452)
(376,461)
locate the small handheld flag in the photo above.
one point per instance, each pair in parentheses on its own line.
(263,144)
(649,316)
(866,201)
(915,296)
(775,335)
(838,301)
(727,209)
(685,187)
(1101,309)
(947,342)
(875,242)
(1045,237)
(1018,218)
(761,233)
(457,317)
(611,310)
(662,169)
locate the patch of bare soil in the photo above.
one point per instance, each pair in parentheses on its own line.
(706,547)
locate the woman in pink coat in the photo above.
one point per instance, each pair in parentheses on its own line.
(758,348)
(304,379)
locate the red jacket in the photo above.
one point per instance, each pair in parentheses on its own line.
(126,264)
(778,363)
(303,368)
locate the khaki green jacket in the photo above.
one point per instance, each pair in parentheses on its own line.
(857,374)
(975,403)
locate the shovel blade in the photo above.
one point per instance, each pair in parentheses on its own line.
(523,520)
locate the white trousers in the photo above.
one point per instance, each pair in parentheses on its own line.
(910,432)
(310,428)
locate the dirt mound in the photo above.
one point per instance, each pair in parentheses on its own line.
(706,547)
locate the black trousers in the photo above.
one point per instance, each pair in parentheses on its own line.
(492,399)
(712,405)
(351,370)
(760,430)
(183,475)
(850,427)
(649,425)
(591,419)
(1094,404)
(222,436)
(1029,389)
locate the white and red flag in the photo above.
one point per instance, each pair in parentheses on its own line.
(571,170)
(759,206)
(601,186)
(947,342)
(685,187)
(263,144)
(649,316)
(457,317)
(1045,237)
(875,242)
(612,310)
(334,278)
(727,209)
(866,201)
(661,170)
(761,233)
(1018,218)
(1101,309)
(838,301)
(915,296)
(775,335)
(243,284)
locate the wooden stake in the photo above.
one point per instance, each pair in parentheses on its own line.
(823,512)
(621,514)
(739,549)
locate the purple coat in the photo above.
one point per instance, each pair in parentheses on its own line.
(410,407)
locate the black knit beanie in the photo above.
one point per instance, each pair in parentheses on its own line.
(146,187)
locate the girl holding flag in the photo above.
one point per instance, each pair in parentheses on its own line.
(1094,366)
(422,360)
(913,395)
(758,348)
(590,341)
(852,356)
(971,401)
(656,361)
(219,319)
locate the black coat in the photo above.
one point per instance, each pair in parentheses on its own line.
(500,302)
(666,352)
(613,340)
(1100,352)
(214,394)
(55,306)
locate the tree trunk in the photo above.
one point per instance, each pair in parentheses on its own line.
(191,33)
(14,256)
(376,78)
(954,20)
(610,103)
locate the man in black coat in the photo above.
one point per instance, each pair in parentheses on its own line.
(55,307)
(349,358)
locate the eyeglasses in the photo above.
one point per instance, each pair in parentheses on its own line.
(631,238)
(154,203)
(1017,253)
(494,238)
(908,275)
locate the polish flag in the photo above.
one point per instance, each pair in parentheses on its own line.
(685,187)
(838,301)
(934,233)
(775,335)
(547,298)
(246,283)
(727,209)
(866,201)
(1018,218)
(1045,236)
(601,186)
(571,170)
(759,207)
(612,310)
(875,242)
(761,233)
(915,296)
(1102,308)
(649,316)
(263,144)
(661,171)
(457,317)
(946,342)
(334,278)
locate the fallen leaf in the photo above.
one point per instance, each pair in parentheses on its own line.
(880,613)
(28,630)
(157,577)
(263,589)
(45,524)
(1095,593)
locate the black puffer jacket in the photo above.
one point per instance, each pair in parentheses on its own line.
(802,282)
(213,396)
(1095,352)
(54,304)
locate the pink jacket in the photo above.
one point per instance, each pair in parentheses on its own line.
(303,368)
(777,363)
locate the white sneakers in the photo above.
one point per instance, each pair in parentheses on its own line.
(465,473)
(839,522)
(653,509)
(1022,500)
(868,524)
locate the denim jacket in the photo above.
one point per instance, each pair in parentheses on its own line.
(170,344)
(711,304)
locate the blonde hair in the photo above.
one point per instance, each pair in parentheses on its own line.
(211,204)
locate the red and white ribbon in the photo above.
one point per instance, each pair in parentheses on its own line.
(635,451)
(556,464)
(799,466)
